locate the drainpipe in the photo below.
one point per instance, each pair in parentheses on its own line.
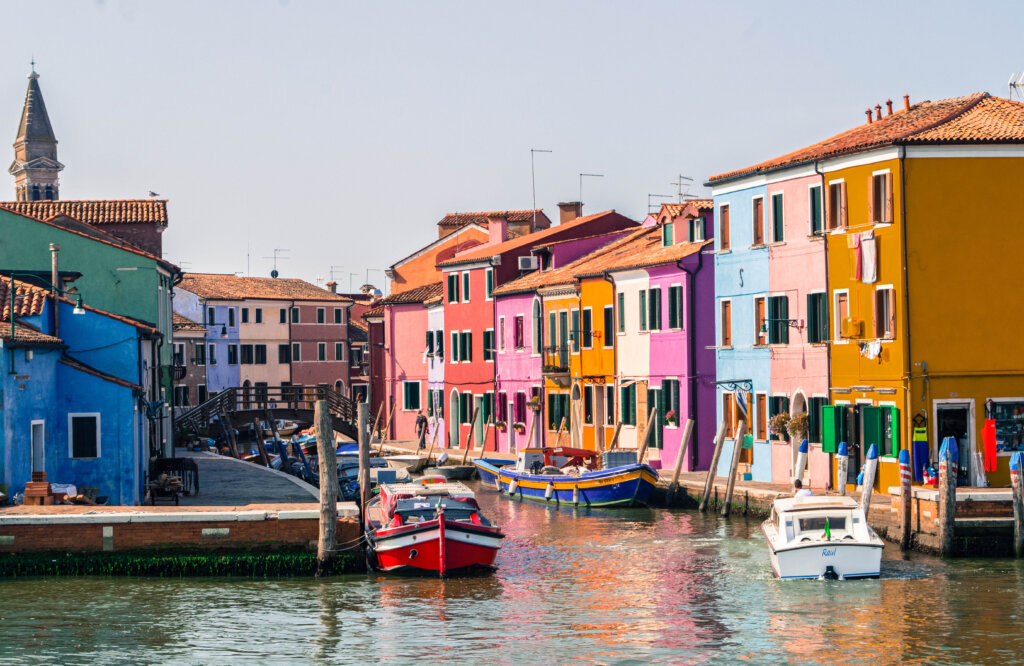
(906,297)
(54,276)
(824,236)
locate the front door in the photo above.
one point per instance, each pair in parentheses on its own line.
(954,421)
(38,446)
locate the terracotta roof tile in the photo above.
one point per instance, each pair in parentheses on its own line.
(27,334)
(459,219)
(182,323)
(376,311)
(110,211)
(236,288)
(416,295)
(534,239)
(969,119)
(28,299)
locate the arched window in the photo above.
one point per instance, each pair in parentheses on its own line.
(339,387)
(538,326)
(35,193)
(49,192)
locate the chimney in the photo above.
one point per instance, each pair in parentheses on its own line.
(332,286)
(906,102)
(878,111)
(569,211)
(497,229)
(888,107)
(868,112)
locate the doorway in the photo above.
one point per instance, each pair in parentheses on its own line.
(39,446)
(954,420)
(454,419)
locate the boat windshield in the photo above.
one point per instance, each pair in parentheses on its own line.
(420,509)
(817,523)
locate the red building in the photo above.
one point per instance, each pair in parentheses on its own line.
(469,279)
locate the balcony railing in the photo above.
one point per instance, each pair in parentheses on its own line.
(556,359)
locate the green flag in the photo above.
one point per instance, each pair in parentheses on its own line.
(828,532)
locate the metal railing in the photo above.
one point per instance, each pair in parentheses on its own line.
(259,398)
(556,359)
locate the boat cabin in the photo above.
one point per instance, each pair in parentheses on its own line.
(803,519)
(535,460)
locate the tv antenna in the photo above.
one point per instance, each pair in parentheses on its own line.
(1016,85)
(663,196)
(277,251)
(682,186)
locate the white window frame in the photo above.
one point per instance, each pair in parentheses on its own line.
(883,172)
(771,198)
(582,336)
(732,328)
(419,392)
(668,304)
(840,229)
(757,333)
(489,273)
(494,345)
(296,347)
(500,343)
(753,410)
(725,204)
(764,221)
(837,322)
(321,350)
(321,313)
(343,352)
(339,315)
(453,350)
(71,443)
(810,219)
(608,341)
(465,279)
(886,287)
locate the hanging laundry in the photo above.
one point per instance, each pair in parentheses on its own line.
(853,242)
(871,350)
(988,439)
(869,257)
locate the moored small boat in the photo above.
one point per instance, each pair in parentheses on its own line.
(429,529)
(284,428)
(413,463)
(563,475)
(821,537)
(452,472)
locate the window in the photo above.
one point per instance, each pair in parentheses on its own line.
(760,327)
(455,347)
(622,312)
(723,227)
(439,344)
(609,404)
(518,333)
(231,317)
(520,407)
(761,416)
(574,330)
(538,326)
(729,413)
(778,315)
(261,354)
(466,346)
(213,355)
(695,229)
(247,356)
(284,315)
(669,400)
(609,326)
(588,404)
(885,313)
(179,354)
(84,431)
(643,310)
(880,204)
(338,317)
(489,345)
(588,328)
(666,234)
(201,395)
(181,396)
(835,213)
(501,334)
(814,406)
(841,306)
(232,354)
(465,407)
(817,317)
(200,354)
(778,230)
(779,405)
(430,343)
(465,287)
(295,315)
(411,396)
(726,323)
(453,287)
(339,351)
(259,315)
(321,315)
(1009,429)
(296,352)
(245,315)
(627,404)
(758,221)
(489,276)
(654,306)
(321,351)
(814,206)
(284,354)
(558,409)
(210,319)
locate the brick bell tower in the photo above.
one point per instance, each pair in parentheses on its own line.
(35,167)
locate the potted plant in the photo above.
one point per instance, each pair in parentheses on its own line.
(797,426)
(534,403)
(671,418)
(778,423)
(519,427)
(500,426)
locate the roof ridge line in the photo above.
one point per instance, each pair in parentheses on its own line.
(947,118)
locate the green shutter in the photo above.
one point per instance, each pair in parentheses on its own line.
(574,333)
(622,312)
(872,417)
(894,424)
(643,310)
(812,318)
(829,432)
(490,281)
(777,220)
(823,317)
(784,315)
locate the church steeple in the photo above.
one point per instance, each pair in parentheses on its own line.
(35,166)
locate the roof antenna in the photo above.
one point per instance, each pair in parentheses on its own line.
(1016,85)
(683,186)
(277,250)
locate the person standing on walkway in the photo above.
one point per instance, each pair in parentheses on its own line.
(421,428)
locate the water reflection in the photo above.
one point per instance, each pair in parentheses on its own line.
(595,585)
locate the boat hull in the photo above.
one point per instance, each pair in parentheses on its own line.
(413,463)
(456,472)
(630,485)
(418,551)
(856,560)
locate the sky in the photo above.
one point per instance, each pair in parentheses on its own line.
(342,132)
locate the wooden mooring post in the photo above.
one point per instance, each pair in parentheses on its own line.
(277,438)
(949,462)
(680,457)
(362,416)
(709,482)
(868,489)
(905,500)
(328,487)
(647,436)
(260,446)
(1016,469)
(433,438)
(469,437)
(842,467)
(229,431)
(733,467)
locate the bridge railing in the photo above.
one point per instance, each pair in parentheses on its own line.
(259,398)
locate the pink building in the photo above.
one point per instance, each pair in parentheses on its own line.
(517,373)
(319,339)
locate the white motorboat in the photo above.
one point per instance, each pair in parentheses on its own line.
(413,463)
(821,537)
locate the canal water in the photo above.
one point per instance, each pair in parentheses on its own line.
(597,586)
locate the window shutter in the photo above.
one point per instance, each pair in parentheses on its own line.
(826,196)
(842,204)
(643,310)
(872,190)
(829,432)
(873,428)
(812,318)
(895,425)
(887,213)
(876,312)
(891,294)
(823,317)
(784,317)
(430,342)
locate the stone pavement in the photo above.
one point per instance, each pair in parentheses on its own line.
(225,481)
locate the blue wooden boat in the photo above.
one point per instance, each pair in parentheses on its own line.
(563,475)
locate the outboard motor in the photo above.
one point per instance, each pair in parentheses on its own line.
(830,573)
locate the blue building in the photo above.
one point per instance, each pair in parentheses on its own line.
(741,302)
(72,402)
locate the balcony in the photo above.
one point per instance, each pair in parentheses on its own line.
(556,362)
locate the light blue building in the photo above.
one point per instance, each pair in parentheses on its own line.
(743,364)
(72,402)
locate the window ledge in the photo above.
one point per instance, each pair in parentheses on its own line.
(764,346)
(817,236)
(759,246)
(777,243)
(725,251)
(818,344)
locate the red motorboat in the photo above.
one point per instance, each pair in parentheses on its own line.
(429,529)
